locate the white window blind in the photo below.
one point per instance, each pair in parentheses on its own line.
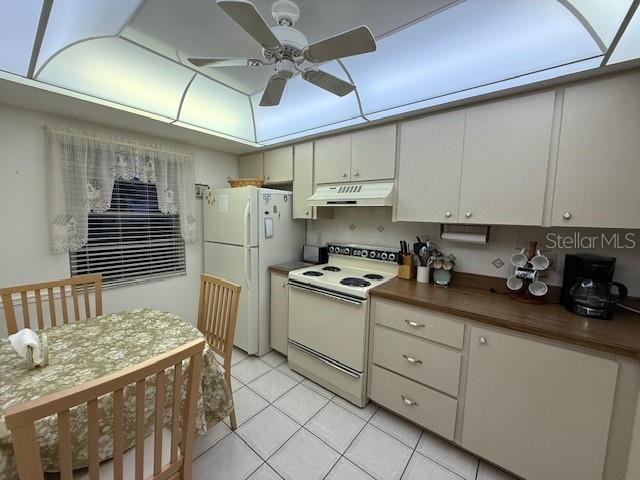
(133,240)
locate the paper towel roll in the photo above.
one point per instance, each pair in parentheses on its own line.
(465,237)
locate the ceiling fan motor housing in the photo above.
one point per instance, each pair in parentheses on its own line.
(293,42)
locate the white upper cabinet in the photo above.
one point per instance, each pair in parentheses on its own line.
(251,166)
(364,155)
(333,159)
(505,161)
(597,180)
(303,180)
(429,168)
(373,154)
(278,165)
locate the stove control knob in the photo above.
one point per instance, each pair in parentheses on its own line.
(384,256)
(364,253)
(372,254)
(346,251)
(392,257)
(331,249)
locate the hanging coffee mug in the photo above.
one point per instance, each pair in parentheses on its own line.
(540,262)
(514,283)
(538,288)
(519,259)
(526,273)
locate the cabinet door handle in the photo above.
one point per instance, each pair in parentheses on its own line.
(468,214)
(344,175)
(566,215)
(482,340)
(412,360)
(447,214)
(356,174)
(414,324)
(268,177)
(306,212)
(283,285)
(408,401)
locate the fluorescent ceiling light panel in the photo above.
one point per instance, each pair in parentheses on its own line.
(604,16)
(18,25)
(118,71)
(470,44)
(74,20)
(628,47)
(216,107)
(304,107)
(217,134)
(494,87)
(316,131)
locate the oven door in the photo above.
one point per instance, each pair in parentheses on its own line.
(328,323)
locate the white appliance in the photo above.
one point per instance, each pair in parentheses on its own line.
(245,231)
(329,317)
(353,195)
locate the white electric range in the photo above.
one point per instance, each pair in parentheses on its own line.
(329,317)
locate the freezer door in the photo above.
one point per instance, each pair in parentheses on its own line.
(239,265)
(231,216)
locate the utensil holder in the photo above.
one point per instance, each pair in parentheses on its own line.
(407,269)
(423,274)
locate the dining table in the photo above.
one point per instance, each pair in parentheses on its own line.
(86,350)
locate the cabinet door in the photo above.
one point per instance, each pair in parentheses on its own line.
(332,159)
(279,312)
(598,165)
(278,165)
(303,180)
(251,166)
(373,154)
(429,168)
(540,411)
(505,160)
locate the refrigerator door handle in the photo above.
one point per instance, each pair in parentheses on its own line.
(247,224)
(247,267)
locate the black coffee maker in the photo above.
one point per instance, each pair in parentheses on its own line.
(587,285)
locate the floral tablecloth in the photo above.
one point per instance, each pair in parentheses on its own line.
(90,349)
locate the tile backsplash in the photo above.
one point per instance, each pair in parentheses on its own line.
(373,226)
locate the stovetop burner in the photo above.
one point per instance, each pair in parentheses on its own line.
(313,273)
(331,269)
(354,282)
(373,276)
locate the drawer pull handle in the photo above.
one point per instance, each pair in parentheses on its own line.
(482,340)
(412,360)
(413,324)
(408,401)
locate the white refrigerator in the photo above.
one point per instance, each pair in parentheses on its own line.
(246,230)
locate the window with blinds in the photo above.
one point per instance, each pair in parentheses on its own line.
(133,241)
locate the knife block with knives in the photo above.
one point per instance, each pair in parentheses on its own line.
(406,268)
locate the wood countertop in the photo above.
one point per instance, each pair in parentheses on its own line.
(620,335)
(285,268)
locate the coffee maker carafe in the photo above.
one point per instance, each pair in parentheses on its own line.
(587,285)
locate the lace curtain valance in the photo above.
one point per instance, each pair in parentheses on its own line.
(83,167)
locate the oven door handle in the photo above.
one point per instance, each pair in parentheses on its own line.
(326,361)
(352,301)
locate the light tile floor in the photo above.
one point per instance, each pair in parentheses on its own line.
(289,428)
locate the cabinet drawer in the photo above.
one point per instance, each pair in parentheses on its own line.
(435,326)
(421,361)
(428,408)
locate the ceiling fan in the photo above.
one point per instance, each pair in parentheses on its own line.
(287,49)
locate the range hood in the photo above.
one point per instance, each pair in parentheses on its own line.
(352,195)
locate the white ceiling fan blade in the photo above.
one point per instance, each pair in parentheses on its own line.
(224,62)
(245,14)
(328,82)
(353,42)
(273,93)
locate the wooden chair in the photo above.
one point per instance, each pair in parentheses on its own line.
(217,312)
(78,286)
(20,419)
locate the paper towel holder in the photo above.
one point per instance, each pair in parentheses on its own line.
(476,234)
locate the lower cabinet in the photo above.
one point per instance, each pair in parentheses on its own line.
(279,312)
(538,410)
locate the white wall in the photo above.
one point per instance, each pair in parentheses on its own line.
(24,251)
(373,226)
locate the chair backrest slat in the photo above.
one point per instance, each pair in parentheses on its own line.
(34,293)
(92,439)
(20,419)
(118,434)
(217,311)
(64,445)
